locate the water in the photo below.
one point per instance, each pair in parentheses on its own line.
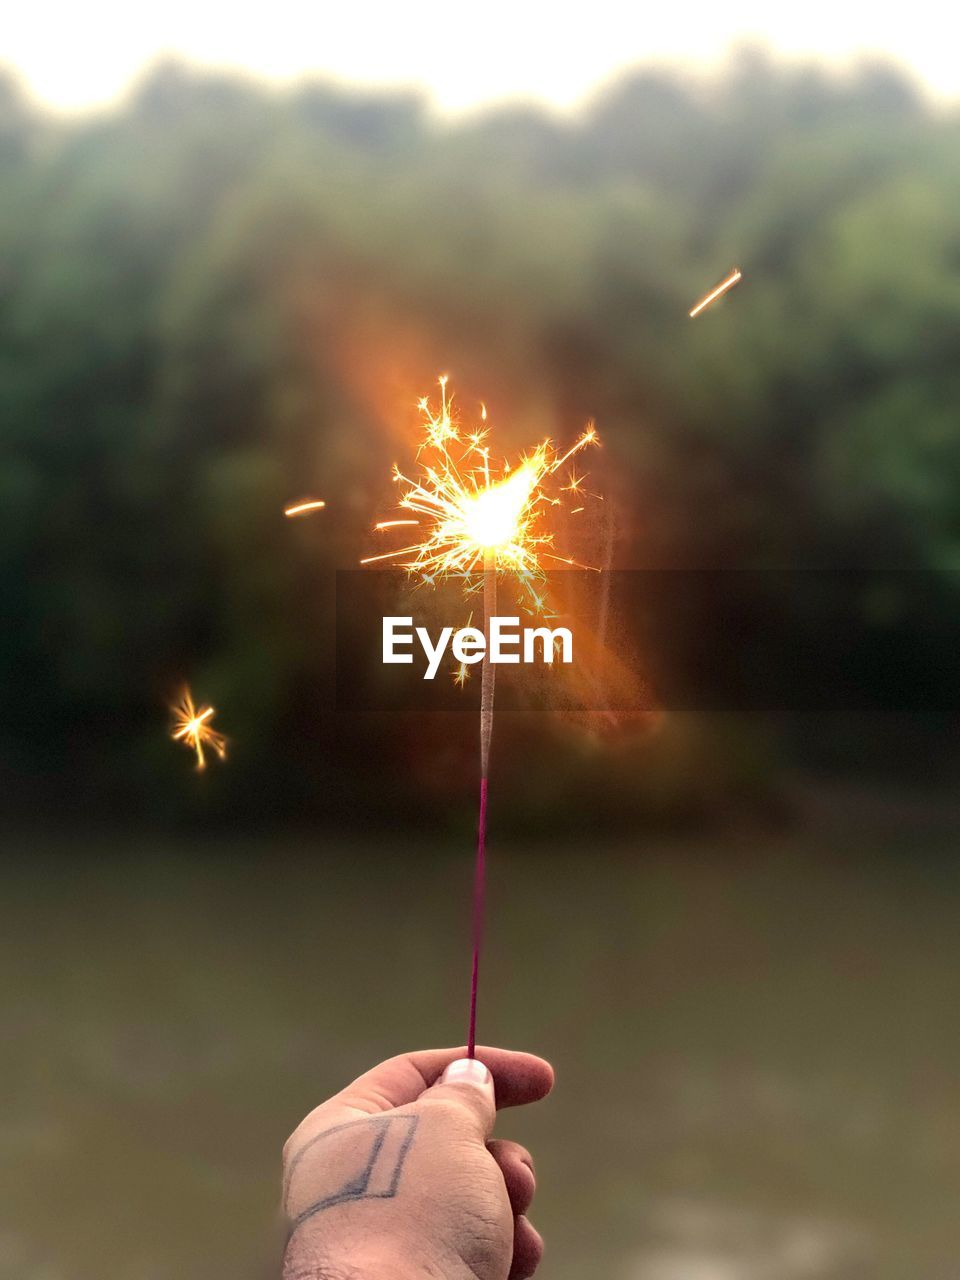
(757,1044)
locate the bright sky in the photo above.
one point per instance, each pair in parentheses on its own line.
(464,54)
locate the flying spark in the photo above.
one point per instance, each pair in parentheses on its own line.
(302,508)
(192,726)
(734,276)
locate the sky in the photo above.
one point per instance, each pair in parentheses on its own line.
(463,54)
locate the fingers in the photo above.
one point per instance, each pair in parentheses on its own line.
(527,1250)
(518,1078)
(467,1085)
(516,1165)
(517,1168)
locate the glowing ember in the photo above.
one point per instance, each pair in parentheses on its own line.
(718,292)
(303,508)
(192,726)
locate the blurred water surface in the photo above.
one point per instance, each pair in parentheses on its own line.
(756,1040)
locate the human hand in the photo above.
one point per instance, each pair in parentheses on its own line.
(397,1178)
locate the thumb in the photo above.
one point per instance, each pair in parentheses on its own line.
(469,1085)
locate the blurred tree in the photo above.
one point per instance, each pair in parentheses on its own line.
(209,294)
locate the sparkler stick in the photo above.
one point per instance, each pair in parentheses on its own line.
(477,522)
(488,677)
(718,292)
(488,672)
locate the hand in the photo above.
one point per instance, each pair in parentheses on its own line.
(396,1178)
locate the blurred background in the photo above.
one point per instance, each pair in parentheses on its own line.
(231,260)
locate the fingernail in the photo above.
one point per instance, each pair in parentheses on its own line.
(466,1071)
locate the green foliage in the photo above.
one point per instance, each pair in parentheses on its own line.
(216,297)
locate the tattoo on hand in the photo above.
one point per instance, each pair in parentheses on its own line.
(379,1164)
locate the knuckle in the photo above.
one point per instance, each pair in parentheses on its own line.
(445,1111)
(294,1143)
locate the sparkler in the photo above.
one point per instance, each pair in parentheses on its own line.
(479,519)
(733,278)
(192,726)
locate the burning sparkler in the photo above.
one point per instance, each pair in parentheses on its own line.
(479,519)
(733,278)
(192,726)
(476,515)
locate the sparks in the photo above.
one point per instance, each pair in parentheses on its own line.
(476,513)
(302,508)
(718,292)
(192,727)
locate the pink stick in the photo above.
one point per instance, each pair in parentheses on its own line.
(487,685)
(479,905)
